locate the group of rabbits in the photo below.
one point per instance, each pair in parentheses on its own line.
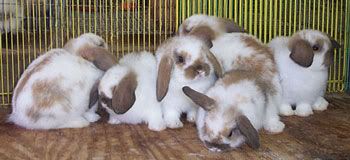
(226,81)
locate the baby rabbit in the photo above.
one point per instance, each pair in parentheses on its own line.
(244,100)
(183,61)
(303,62)
(128,91)
(55,90)
(219,26)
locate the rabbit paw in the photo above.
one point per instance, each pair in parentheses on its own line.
(157,126)
(286,110)
(113,120)
(174,123)
(303,110)
(191,116)
(274,127)
(91,116)
(76,123)
(321,104)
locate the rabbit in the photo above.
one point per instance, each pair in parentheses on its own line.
(55,90)
(11,16)
(303,61)
(128,91)
(232,111)
(241,51)
(183,61)
(218,25)
(251,78)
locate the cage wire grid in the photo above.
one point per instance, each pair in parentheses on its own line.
(31,27)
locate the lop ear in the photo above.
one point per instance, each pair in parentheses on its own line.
(200,99)
(124,94)
(335,44)
(248,131)
(99,56)
(231,26)
(163,78)
(301,53)
(205,33)
(216,64)
(94,94)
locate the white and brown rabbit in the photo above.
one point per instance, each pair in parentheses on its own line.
(56,90)
(245,99)
(128,91)
(303,61)
(183,61)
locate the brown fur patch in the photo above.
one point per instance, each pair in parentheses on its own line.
(29,72)
(216,65)
(235,76)
(99,56)
(93,98)
(205,33)
(328,58)
(45,94)
(229,26)
(163,78)
(301,52)
(247,129)
(124,94)
(198,66)
(199,98)
(259,47)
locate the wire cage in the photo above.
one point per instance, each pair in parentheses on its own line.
(31,27)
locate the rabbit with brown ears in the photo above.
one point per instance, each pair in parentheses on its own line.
(183,61)
(303,61)
(128,91)
(244,100)
(58,89)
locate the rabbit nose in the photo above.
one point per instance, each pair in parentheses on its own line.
(203,70)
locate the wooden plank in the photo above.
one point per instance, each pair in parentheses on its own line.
(324,135)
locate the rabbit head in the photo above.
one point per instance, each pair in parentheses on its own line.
(217,25)
(224,127)
(312,49)
(92,48)
(184,59)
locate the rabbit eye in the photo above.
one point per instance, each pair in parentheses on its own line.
(101,45)
(229,135)
(180,59)
(315,47)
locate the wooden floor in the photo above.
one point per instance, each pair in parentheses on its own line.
(325,135)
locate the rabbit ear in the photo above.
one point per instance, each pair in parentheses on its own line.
(124,94)
(248,131)
(216,64)
(163,78)
(232,26)
(200,99)
(302,53)
(335,44)
(99,56)
(94,94)
(205,33)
